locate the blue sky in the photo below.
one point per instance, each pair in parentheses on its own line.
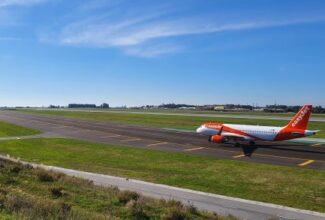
(151,52)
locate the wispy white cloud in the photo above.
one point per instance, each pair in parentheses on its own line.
(6,18)
(133,35)
(9,39)
(9,16)
(98,4)
(142,34)
(150,51)
(7,3)
(98,33)
(148,32)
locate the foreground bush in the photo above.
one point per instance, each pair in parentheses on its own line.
(47,176)
(41,194)
(126,196)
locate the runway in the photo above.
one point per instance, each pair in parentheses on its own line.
(278,153)
(208,115)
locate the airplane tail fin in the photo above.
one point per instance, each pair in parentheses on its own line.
(300,121)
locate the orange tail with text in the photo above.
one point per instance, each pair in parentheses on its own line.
(300,121)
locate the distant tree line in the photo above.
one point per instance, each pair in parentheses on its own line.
(233,106)
(74,105)
(82,106)
(295,108)
(268,108)
(56,106)
(173,105)
(319,109)
(104,105)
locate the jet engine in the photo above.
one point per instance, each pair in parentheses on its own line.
(217,139)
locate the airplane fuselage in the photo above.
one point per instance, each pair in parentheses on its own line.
(296,128)
(251,132)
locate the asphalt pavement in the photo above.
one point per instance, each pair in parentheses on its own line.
(301,155)
(304,155)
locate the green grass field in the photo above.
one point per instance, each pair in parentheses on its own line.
(181,111)
(166,121)
(28,193)
(295,187)
(10,130)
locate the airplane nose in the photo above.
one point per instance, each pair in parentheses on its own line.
(199,130)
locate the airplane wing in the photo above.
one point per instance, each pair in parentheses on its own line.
(248,151)
(233,136)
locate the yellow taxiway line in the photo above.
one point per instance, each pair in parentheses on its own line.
(306,163)
(194,149)
(157,144)
(111,136)
(132,139)
(267,155)
(239,156)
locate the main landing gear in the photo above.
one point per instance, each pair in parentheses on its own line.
(252,143)
(247,150)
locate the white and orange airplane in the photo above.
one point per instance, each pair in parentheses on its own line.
(222,133)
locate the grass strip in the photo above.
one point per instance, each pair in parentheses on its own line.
(169,121)
(289,186)
(28,193)
(11,130)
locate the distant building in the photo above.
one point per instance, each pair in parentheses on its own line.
(174,106)
(240,109)
(219,108)
(82,106)
(259,109)
(104,105)
(276,110)
(187,108)
(54,106)
(206,107)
